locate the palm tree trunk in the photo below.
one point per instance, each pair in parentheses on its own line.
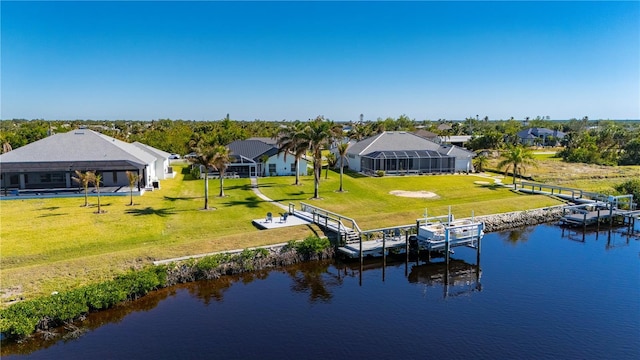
(131,194)
(221,184)
(86,196)
(297,171)
(341,166)
(515,171)
(206,189)
(316,175)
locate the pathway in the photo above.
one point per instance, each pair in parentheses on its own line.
(256,190)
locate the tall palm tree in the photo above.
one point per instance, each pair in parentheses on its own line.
(319,133)
(516,157)
(220,161)
(133,178)
(290,139)
(84,179)
(342,154)
(204,157)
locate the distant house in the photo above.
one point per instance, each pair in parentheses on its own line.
(427,135)
(51,162)
(540,136)
(399,152)
(259,157)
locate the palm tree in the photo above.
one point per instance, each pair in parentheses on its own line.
(331,162)
(319,133)
(291,140)
(204,157)
(220,161)
(133,178)
(84,179)
(480,162)
(342,154)
(96,179)
(517,157)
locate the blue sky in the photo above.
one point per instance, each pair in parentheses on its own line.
(297,60)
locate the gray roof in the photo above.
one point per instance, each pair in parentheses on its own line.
(252,149)
(153,151)
(540,132)
(266,140)
(392,141)
(455,151)
(80,149)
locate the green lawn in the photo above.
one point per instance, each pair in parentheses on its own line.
(55,244)
(367,199)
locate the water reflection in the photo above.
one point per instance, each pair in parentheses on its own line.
(457,278)
(615,236)
(314,278)
(516,236)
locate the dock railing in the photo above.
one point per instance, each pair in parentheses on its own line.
(328,219)
(558,190)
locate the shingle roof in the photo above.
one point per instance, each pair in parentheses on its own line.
(153,151)
(536,132)
(81,146)
(252,149)
(392,141)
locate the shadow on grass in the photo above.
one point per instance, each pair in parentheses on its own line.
(50,208)
(353,174)
(52,215)
(245,187)
(151,211)
(182,198)
(250,202)
(492,186)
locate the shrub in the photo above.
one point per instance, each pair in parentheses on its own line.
(22,319)
(195,172)
(630,187)
(312,246)
(380,173)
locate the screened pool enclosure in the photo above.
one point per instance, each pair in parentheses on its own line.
(408,162)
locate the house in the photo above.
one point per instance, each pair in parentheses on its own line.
(162,168)
(260,157)
(51,162)
(399,152)
(540,136)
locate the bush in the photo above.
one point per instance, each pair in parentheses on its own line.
(195,172)
(312,246)
(380,173)
(630,187)
(22,319)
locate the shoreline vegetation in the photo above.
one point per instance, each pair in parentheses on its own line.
(86,262)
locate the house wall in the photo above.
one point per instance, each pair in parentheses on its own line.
(277,166)
(464,164)
(353,161)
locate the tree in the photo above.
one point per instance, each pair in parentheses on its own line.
(220,161)
(133,179)
(291,139)
(84,179)
(319,133)
(96,179)
(480,162)
(342,154)
(516,157)
(331,162)
(204,157)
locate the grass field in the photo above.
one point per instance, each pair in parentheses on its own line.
(55,244)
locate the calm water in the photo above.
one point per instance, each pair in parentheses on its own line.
(538,294)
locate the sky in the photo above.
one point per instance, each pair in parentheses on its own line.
(297,60)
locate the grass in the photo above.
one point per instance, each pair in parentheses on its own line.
(57,244)
(367,200)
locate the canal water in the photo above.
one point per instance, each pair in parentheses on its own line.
(538,293)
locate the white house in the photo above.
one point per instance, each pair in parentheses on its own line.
(162,168)
(51,162)
(260,157)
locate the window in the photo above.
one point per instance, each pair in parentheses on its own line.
(115,177)
(272,168)
(14,179)
(293,167)
(45,178)
(58,177)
